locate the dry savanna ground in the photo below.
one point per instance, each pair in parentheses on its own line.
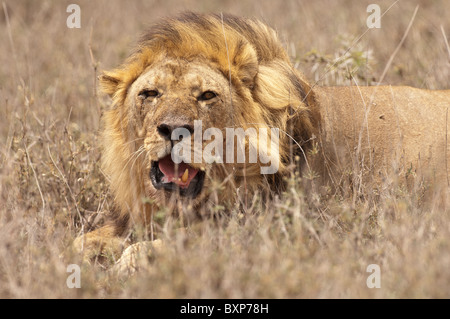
(52,188)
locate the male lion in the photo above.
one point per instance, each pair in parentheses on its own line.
(229,72)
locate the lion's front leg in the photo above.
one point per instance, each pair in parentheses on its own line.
(100,246)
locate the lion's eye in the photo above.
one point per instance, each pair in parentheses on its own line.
(145,94)
(208,95)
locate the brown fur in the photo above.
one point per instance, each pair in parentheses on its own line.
(368,131)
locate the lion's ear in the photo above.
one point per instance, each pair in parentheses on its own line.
(248,75)
(246,62)
(109,82)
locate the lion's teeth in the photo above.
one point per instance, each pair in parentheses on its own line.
(184,178)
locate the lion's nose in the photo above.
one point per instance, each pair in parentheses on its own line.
(165,130)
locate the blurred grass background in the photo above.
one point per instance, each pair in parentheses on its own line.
(52,188)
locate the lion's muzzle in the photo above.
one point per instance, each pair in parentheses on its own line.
(182,178)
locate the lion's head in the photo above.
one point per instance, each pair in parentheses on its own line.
(190,80)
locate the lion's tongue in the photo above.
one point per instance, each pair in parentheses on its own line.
(167,167)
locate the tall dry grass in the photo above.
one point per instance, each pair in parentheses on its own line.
(52,187)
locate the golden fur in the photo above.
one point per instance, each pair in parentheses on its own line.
(365,131)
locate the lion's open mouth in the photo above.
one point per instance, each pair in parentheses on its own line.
(167,175)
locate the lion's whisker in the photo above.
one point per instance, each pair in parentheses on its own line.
(136,153)
(140,153)
(135,140)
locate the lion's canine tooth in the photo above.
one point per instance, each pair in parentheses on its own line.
(184,178)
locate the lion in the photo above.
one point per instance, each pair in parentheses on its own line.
(224,72)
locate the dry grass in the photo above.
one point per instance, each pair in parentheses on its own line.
(52,188)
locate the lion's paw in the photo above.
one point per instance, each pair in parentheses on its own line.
(135,257)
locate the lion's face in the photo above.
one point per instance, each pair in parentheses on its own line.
(166,101)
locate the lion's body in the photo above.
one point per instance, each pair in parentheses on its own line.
(381,133)
(254,84)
